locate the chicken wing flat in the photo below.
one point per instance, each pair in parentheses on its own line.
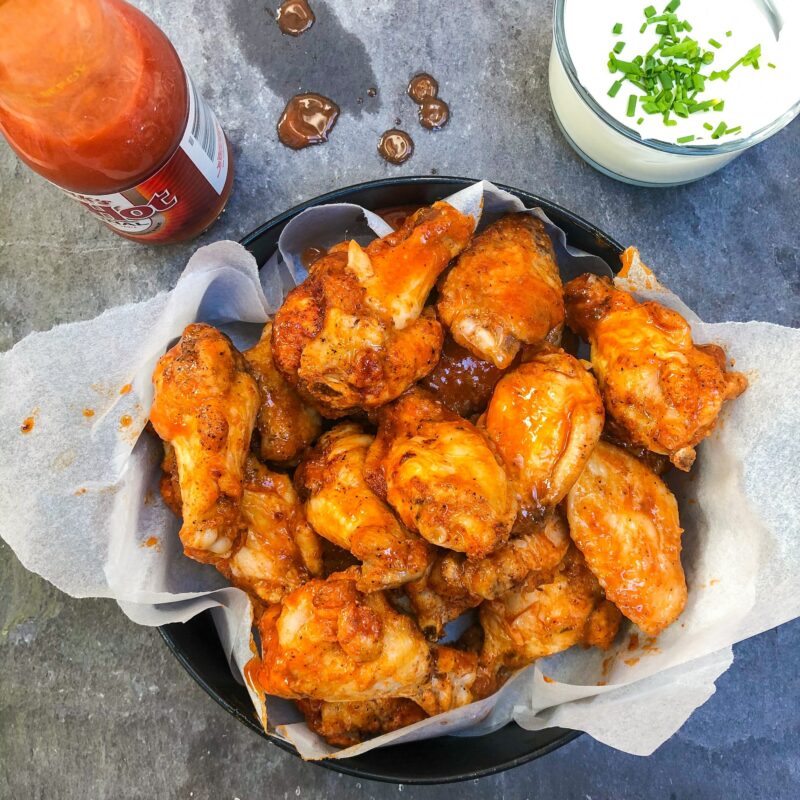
(286,425)
(346,724)
(460,380)
(403,266)
(454,583)
(662,391)
(354,334)
(504,291)
(342,508)
(625,521)
(328,641)
(280,551)
(544,418)
(452,680)
(205,406)
(536,620)
(439,473)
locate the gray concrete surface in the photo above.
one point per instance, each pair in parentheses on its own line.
(92,706)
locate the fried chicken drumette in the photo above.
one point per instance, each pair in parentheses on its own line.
(354,334)
(205,406)
(661,390)
(439,473)
(504,291)
(624,520)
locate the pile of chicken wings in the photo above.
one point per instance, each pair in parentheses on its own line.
(409,441)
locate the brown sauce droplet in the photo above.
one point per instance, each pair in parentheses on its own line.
(372,91)
(434,114)
(88,412)
(422,86)
(295,17)
(126,420)
(396,146)
(152,541)
(306,120)
(27,425)
(125,389)
(310,255)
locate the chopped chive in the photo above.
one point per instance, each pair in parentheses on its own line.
(737,129)
(686,139)
(650,11)
(719,131)
(615,87)
(719,106)
(619,47)
(714,43)
(617,28)
(672,5)
(687,27)
(632,105)
(643,28)
(729,33)
(771,65)
(640,120)
(708,127)
(670,123)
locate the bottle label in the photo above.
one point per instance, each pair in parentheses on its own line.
(171,199)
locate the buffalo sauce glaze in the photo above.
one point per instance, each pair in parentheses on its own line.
(396,146)
(461,381)
(396,215)
(306,120)
(295,17)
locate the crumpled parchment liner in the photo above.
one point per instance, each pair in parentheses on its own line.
(80,503)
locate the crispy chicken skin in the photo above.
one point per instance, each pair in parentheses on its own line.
(455,584)
(625,521)
(536,620)
(205,406)
(504,291)
(286,425)
(460,380)
(441,476)
(342,508)
(403,267)
(452,680)
(545,417)
(280,551)
(662,391)
(277,551)
(328,641)
(354,334)
(346,724)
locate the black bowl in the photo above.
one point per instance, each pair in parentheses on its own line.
(195,643)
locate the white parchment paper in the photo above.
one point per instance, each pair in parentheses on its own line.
(79,502)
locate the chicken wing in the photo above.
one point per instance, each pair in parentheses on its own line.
(286,425)
(280,551)
(328,641)
(461,381)
(504,291)
(625,521)
(455,584)
(342,508)
(205,406)
(452,680)
(545,417)
(536,620)
(354,334)
(661,390)
(346,724)
(439,473)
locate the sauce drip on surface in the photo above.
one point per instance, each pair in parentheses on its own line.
(27,425)
(396,146)
(295,17)
(434,114)
(422,87)
(306,120)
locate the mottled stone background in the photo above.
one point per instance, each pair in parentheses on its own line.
(92,706)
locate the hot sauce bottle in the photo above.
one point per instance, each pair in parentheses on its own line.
(94,98)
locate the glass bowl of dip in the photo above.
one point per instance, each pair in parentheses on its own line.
(609,144)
